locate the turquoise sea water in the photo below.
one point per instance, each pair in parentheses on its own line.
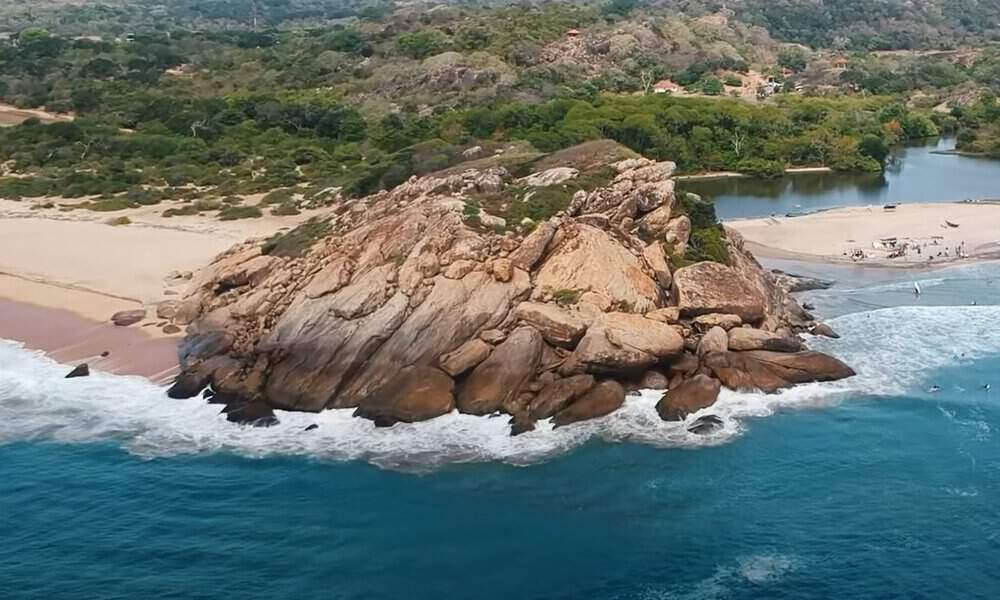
(873,487)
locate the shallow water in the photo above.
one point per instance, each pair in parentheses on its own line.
(871,487)
(917,173)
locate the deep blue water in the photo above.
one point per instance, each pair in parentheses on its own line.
(871,488)
(916,173)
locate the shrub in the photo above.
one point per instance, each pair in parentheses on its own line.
(296,242)
(287,209)
(277,196)
(233,213)
(184,211)
(708,244)
(120,221)
(109,204)
(567,297)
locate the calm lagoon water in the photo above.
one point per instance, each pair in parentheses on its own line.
(869,488)
(917,173)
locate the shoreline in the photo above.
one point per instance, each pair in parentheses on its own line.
(737,175)
(71,339)
(913,236)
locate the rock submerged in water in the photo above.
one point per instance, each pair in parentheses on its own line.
(254,414)
(404,312)
(81,370)
(705,425)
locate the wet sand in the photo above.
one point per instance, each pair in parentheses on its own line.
(72,339)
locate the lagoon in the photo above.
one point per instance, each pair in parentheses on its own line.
(922,173)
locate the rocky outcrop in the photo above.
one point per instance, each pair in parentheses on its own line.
(497,381)
(746,338)
(559,327)
(81,370)
(691,396)
(709,287)
(623,342)
(417,393)
(603,399)
(772,371)
(400,307)
(559,393)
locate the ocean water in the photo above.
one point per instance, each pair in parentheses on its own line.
(873,487)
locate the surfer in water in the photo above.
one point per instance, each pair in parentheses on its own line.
(934,389)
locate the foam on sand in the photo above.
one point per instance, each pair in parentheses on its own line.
(892,350)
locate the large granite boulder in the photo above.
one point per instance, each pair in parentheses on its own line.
(556,395)
(772,371)
(602,399)
(558,326)
(468,355)
(711,287)
(691,396)
(498,379)
(417,393)
(714,340)
(746,338)
(588,258)
(626,342)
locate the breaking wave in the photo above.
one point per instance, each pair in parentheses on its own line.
(892,349)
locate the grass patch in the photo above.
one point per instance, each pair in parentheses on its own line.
(296,242)
(567,297)
(117,221)
(183,211)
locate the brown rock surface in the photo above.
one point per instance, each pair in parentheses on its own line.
(588,258)
(466,356)
(691,396)
(709,287)
(557,394)
(499,378)
(624,342)
(772,371)
(416,394)
(558,326)
(602,399)
(746,338)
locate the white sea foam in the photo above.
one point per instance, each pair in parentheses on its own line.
(893,350)
(756,570)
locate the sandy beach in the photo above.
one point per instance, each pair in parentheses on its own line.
(64,273)
(912,235)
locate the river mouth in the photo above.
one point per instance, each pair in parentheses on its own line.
(919,173)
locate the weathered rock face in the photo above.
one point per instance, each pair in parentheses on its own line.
(498,380)
(602,399)
(557,394)
(586,258)
(418,393)
(772,371)
(709,287)
(559,327)
(691,396)
(623,342)
(746,338)
(394,305)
